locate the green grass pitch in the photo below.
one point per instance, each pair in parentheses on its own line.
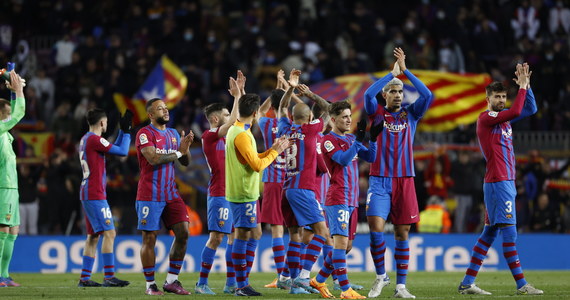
(425,285)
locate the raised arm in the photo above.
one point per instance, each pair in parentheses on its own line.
(419,107)
(493,118)
(286,99)
(322,103)
(529,107)
(370,102)
(18,105)
(121,146)
(235,91)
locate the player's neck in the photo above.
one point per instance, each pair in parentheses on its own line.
(393,109)
(158,126)
(248,120)
(337,131)
(96,130)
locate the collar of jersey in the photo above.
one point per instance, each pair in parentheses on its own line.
(157,128)
(244,125)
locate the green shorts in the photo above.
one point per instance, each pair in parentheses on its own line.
(9,207)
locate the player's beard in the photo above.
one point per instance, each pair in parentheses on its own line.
(498,107)
(161,121)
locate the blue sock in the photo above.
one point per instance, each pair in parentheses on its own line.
(479,253)
(327,268)
(109,265)
(207,260)
(230,272)
(511,255)
(339,262)
(250,253)
(312,252)
(148,272)
(87,268)
(278,248)
(377,249)
(240,263)
(293,258)
(402,256)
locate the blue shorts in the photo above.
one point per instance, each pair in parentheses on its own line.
(244,214)
(98,217)
(219,215)
(149,214)
(500,202)
(305,206)
(394,197)
(339,218)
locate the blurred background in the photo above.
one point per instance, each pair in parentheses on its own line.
(76,55)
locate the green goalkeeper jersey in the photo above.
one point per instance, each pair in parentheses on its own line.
(8,172)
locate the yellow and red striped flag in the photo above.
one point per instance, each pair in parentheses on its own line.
(458,98)
(166,81)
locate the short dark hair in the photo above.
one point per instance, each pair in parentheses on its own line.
(95,115)
(213,108)
(248,104)
(336,108)
(150,102)
(495,86)
(276,96)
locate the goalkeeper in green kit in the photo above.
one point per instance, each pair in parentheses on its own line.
(11,112)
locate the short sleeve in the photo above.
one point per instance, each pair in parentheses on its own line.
(144,139)
(99,144)
(329,146)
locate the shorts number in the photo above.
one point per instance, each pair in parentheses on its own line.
(291,156)
(145,211)
(250,209)
(106,212)
(509,205)
(223,213)
(343,216)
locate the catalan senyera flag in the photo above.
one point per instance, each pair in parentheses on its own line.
(166,81)
(458,98)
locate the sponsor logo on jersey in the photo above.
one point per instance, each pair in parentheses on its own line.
(104,142)
(395,127)
(164,151)
(329,146)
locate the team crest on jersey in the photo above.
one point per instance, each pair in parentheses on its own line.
(143,139)
(8,217)
(143,222)
(221,223)
(493,114)
(252,219)
(104,142)
(403,115)
(174,140)
(509,216)
(343,226)
(107,222)
(329,146)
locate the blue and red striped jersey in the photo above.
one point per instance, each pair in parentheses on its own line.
(301,157)
(157,183)
(276,170)
(494,133)
(214,148)
(92,149)
(343,187)
(323,176)
(395,143)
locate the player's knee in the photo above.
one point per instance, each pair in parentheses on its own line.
(149,238)
(215,240)
(110,234)
(92,239)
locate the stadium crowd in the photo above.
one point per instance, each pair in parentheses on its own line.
(76,54)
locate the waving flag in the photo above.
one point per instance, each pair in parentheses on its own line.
(166,81)
(458,98)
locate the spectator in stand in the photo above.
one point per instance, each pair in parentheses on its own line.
(462,171)
(437,179)
(559,19)
(435,218)
(546,217)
